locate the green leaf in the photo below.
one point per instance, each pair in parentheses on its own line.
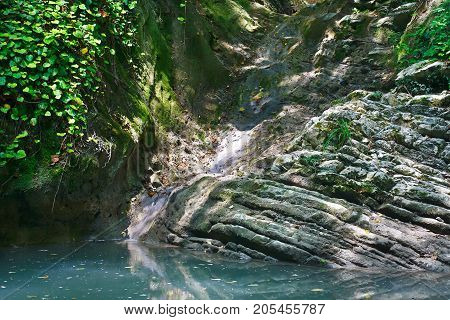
(23,134)
(78,34)
(57,94)
(49,39)
(20,154)
(5,108)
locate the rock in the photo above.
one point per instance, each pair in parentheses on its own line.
(432,75)
(354,172)
(421,70)
(384,22)
(362,205)
(402,15)
(332,166)
(432,100)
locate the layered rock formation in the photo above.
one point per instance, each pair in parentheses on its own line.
(379,197)
(366,183)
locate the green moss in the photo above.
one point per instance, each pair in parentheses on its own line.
(231,15)
(34,171)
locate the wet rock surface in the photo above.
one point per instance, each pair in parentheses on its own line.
(382,199)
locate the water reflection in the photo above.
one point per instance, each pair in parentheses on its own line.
(132,270)
(204,277)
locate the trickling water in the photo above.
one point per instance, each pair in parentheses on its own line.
(228,153)
(131,270)
(230,150)
(149,209)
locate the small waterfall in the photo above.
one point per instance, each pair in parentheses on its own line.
(145,213)
(230,151)
(147,208)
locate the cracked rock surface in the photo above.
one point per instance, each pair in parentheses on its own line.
(380,200)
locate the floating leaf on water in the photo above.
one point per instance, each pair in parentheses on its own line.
(43,277)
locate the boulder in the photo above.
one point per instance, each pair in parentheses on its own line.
(433,76)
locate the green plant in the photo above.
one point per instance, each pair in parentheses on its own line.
(52,56)
(311,161)
(429,41)
(338,136)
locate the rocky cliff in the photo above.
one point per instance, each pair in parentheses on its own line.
(364,183)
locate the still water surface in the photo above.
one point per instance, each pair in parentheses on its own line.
(132,270)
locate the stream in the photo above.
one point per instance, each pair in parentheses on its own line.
(132,270)
(136,270)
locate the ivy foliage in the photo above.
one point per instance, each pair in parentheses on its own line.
(428,41)
(52,55)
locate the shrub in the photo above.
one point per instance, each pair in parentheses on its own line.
(429,41)
(51,59)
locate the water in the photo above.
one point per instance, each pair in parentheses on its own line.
(230,150)
(147,208)
(131,270)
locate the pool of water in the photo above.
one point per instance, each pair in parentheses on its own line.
(132,270)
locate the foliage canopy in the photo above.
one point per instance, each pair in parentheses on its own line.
(52,55)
